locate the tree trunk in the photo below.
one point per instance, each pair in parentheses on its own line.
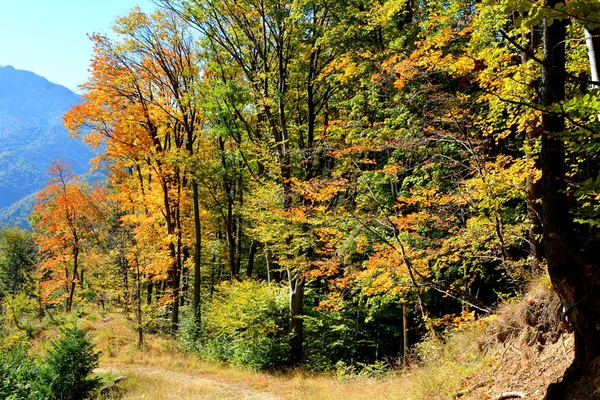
(149,291)
(592,41)
(572,279)
(197,252)
(296,322)
(268,261)
(138,281)
(534,187)
(74,279)
(173,284)
(251,256)
(405,361)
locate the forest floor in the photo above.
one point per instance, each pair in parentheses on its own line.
(160,370)
(520,350)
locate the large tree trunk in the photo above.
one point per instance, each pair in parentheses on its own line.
(251,256)
(570,275)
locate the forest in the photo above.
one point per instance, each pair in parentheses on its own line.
(322,184)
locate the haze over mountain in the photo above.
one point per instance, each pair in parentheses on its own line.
(31,136)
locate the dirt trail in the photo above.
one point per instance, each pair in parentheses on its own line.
(150,382)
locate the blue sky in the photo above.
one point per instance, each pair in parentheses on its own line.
(49,37)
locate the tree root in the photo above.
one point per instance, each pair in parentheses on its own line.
(508,395)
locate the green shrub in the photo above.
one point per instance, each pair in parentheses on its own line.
(19,375)
(68,364)
(246,323)
(22,313)
(190,332)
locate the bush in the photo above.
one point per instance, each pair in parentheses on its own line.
(190,332)
(68,364)
(22,313)
(19,375)
(246,323)
(359,337)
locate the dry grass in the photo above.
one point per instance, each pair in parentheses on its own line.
(447,361)
(161,370)
(517,349)
(526,344)
(533,319)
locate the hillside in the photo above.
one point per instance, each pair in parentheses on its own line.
(31,136)
(514,353)
(329,195)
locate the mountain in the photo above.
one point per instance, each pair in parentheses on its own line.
(31,136)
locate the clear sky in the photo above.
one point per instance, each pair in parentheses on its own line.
(49,37)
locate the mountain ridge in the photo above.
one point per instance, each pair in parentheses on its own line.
(32,135)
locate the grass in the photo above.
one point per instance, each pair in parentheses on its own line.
(161,370)
(446,363)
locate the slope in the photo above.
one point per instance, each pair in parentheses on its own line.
(31,136)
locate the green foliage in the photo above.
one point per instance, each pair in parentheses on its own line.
(245,323)
(17,257)
(22,313)
(68,364)
(190,331)
(19,374)
(361,336)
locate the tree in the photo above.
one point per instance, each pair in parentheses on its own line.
(68,364)
(17,259)
(63,219)
(569,248)
(149,82)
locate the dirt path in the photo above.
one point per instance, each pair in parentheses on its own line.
(149,382)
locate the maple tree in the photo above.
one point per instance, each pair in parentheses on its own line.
(64,219)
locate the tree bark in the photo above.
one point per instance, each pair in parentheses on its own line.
(534,187)
(197,252)
(251,256)
(74,279)
(405,361)
(569,273)
(138,309)
(296,321)
(592,41)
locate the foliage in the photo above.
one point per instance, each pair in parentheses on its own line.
(68,364)
(17,259)
(22,313)
(382,159)
(246,323)
(63,374)
(447,360)
(64,219)
(20,376)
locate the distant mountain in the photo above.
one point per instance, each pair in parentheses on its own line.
(31,136)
